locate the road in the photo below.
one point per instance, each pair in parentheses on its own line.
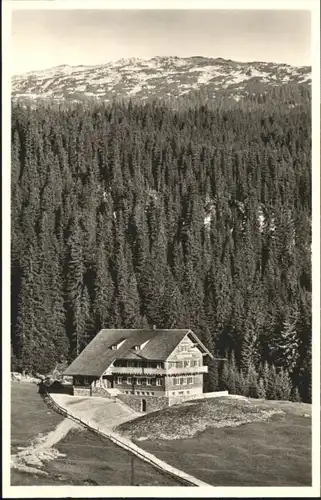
(103,413)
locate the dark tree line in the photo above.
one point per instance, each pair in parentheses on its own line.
(127,215)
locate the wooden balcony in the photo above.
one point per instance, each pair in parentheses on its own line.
(131,370)
(123,370)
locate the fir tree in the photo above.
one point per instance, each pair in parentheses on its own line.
(243,388)
(250,350)
(252,382)
(224,377)
(261,393)
(295,396)
(270,383)
(285,350)
(75,275)
(283,385)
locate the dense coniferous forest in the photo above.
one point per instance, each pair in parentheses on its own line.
(199,216)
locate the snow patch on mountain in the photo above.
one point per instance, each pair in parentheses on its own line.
(156,77)
(135,89)
(81,88)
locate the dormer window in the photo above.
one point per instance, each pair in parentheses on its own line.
(139,347)
(116,346)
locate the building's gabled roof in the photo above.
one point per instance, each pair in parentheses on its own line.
(98,355)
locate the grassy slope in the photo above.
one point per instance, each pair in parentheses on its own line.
(27,408)
(276,452)
(88,459)
(95,458)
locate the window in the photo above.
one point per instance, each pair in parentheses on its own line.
(182,381)
(153,381)
(144,381)
(147,393)
(175,381)
(181,392)
(143,393)
(148,381)
(195,362)
(173,393)
(189,380)
(159,365)
(137,347)
(116,346)
(129,380)
(171,364)
(119,380)
(159,381)
(138,381)
(131,364)
(137,392)
(86,381)
(152,393)
(187,363)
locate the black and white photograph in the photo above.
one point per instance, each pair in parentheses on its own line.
(161,195)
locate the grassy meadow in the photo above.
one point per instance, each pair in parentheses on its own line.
(85,459)
(241,443)
(29,415)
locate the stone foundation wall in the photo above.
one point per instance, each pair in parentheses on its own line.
(185,391)
(153,403)
(99,392)
(81,391)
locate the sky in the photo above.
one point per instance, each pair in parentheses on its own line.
(42,38)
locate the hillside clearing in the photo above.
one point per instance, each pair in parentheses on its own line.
(245,442)
(186,420)
(49,450)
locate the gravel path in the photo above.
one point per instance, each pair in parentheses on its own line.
(103,413)
(31,458)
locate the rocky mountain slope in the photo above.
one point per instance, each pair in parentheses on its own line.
(157,77)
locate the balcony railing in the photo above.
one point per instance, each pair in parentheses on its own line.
(131,370)
(157,371)
(187,369)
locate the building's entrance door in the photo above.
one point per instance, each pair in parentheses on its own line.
(108,382)
(143,405)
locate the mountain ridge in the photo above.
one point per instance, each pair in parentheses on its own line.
(156,77)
